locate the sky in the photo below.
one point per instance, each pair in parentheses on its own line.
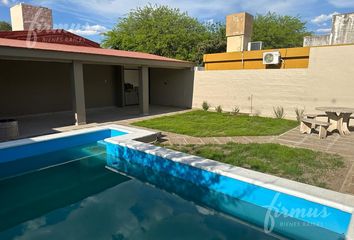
(91,18)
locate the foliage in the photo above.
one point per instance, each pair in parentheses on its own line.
(279,112)
(214,43)
(218,109)
(205,106)
(299,114)
(235,110)
(171,33)
(166,32)
(277,31)
(298,164)
(211,124)
(5,26)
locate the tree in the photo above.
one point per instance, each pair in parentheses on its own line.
(278,31)
(163,31)
(5,26)
(215,43)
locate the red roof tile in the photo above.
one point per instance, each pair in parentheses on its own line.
(59,36)
(80,49)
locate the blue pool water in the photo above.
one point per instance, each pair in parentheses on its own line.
(84,200)
(36,148)
(81,187)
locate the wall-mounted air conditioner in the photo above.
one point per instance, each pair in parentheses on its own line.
(255,46)
(271,58)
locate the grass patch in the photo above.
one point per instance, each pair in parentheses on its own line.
(211,124)
(303,165)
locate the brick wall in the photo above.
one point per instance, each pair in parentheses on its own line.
(27,17)
(36,17)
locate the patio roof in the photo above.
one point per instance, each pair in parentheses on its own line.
(52,51)
(59,36)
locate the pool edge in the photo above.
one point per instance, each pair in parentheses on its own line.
(340,201)
(134,136)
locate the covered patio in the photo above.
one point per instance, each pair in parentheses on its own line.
(48,86)
(35,125)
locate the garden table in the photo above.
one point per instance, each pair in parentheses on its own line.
(339,118)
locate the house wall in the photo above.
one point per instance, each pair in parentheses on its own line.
(33,87)
(171,87)
(132,76)
(341,32)
(291,58)
(28,87)
(343,29)
(317,40)
(31,17)
(99,85)
(328,81)
(16,18)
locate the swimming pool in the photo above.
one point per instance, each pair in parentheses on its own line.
(100,184)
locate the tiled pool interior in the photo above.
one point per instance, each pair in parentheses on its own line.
(96,190)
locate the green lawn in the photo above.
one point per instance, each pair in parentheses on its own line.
(297,164)
(212,124)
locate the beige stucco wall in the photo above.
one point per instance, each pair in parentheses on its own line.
(329,81)
(28,87)
(171,87)
(16,18)
(99,85)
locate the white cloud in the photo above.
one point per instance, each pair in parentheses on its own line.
(5,2)
(88,30)
(323,18)
(324,30)
(342,3)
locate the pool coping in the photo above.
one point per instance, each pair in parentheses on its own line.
(132,139)
(132,133)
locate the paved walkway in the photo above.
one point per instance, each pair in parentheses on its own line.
(332,144)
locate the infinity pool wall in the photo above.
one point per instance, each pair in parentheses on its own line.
(292,216)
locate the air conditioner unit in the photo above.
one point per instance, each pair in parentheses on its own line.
(254,46)
(271,58)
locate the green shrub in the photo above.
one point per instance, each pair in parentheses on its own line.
(205,106)
(218,109)
(299,114)
(279,112)
(235,110)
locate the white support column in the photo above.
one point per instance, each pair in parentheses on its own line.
(78,93)
(144,90)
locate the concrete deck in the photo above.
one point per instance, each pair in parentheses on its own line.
(35,125)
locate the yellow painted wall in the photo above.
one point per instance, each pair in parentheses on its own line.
(291,58)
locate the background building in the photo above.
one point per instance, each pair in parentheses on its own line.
(342,32)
